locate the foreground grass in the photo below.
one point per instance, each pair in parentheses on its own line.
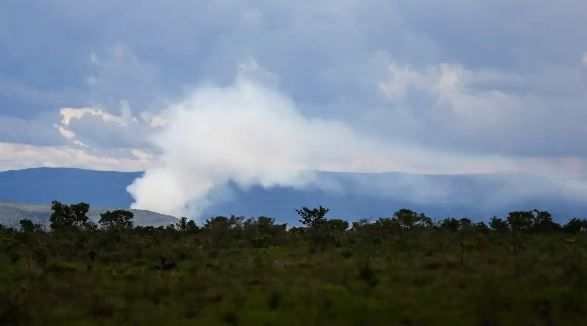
(170,277)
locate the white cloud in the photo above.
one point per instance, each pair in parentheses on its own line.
(69,114)
(400,79)
(19,156)
(451,87)
(451,107)
(101,130)
(584,60)
(65,133)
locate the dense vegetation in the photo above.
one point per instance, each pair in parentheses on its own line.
(406,269)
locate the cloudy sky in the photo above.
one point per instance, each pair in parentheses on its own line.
(448,86)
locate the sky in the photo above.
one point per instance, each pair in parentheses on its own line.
(285,87)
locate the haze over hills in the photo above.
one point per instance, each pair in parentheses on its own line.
(372,195)
(348,195)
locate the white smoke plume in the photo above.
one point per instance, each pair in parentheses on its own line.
(248,133)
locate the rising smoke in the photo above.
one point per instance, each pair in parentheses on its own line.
(248,133)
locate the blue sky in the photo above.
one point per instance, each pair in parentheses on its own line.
(448,86)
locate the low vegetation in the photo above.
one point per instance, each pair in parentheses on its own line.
(405,269)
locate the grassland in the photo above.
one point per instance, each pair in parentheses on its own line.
(259,273)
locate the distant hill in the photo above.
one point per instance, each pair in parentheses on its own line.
(348,195)
(43,185)
(12,213)
(371,195)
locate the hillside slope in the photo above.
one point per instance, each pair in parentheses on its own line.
(12,213)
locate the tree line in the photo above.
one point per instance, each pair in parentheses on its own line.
(315,224)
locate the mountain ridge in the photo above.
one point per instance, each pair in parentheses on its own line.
(349,195)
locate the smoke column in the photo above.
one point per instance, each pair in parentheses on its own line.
(249,133)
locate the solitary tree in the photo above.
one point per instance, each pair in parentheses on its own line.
(409,219)
(68,216)
(312,218)
(27,225)
(116,220)
(182,224)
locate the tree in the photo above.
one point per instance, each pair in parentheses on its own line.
(185,225)
(337,225)
(386,225)
(451,224)
(65,217)
(481,227)
(362,223)
(520,220)
(312,218)
(543,222)
(497,224)
(263,231)
(116,220)
(191,226)
(182,224)
(465,224)
(410,220)
(27,225)
(334,230)
(218,222)
(575,225)
(222,230)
